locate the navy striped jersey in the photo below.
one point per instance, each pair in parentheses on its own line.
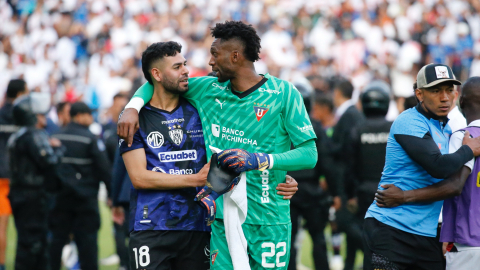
(174,144)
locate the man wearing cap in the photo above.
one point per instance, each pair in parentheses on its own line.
(83,166)
(403,237)
(462,216)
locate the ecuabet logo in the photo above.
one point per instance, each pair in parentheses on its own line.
(155,139)
(175,156)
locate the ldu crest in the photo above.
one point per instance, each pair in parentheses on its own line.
(176,134)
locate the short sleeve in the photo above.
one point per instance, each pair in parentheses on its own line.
(411,124)
(297,121)
(145,92)
(136,144)
(456,141)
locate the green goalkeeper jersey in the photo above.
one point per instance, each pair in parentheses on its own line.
(267,118)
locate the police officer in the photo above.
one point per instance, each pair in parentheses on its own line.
(365,162)
(311,202)
(15,89)
(84,165)
(32,161)
(369,142)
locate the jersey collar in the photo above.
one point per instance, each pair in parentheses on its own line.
(150,107)
(252,89)
(429,115)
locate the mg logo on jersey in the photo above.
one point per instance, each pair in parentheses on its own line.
(176,134)
(260,112)
(216,130)
(155,139)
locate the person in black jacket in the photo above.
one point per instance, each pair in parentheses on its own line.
(82,168)
(347,117)
(32,162)
(15,89)
(312,203)
(366,158)
(368,146)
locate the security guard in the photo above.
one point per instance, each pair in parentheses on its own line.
(32,162)
(84,165)
(311,202)
(15,89)
(369,142)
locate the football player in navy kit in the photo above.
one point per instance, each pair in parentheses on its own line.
(167,165)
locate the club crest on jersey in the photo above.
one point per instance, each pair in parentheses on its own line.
(260,111)
(176,134)
(155,139)
(214,254)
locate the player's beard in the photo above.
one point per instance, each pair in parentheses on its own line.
(173,86)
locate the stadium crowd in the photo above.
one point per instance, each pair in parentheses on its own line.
(90,51)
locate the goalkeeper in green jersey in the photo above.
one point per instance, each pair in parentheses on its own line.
(255,119)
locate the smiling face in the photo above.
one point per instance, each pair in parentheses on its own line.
(437,99)
(172,73)
(222,59)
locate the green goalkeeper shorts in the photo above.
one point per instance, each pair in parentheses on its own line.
(268,246)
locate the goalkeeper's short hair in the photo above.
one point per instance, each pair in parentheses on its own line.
(244,33)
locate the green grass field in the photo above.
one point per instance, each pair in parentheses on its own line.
(107,247)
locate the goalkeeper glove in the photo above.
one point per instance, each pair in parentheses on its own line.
(239,160)
(219,181)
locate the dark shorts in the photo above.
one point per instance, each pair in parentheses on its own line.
(388,248)
(169,250)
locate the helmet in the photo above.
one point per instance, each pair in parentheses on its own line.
(308,95)
(26,108)
(376,98)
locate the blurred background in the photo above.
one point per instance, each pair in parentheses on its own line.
(90,51)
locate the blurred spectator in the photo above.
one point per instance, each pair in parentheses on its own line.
(110,126)
(323,111)
(347,117)
(311,201)
(96,45)
(63,113)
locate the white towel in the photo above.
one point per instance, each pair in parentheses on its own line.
(235,207)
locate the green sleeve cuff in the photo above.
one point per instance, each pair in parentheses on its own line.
(145,92)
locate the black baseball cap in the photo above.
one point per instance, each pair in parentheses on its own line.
(433,74)
(78,108)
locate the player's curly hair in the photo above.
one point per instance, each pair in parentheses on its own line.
(157,51)
(243,32)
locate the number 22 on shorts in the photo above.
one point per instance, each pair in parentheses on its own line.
(271,253)
(141,256)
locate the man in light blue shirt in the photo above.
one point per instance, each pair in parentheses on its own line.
(417,156)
